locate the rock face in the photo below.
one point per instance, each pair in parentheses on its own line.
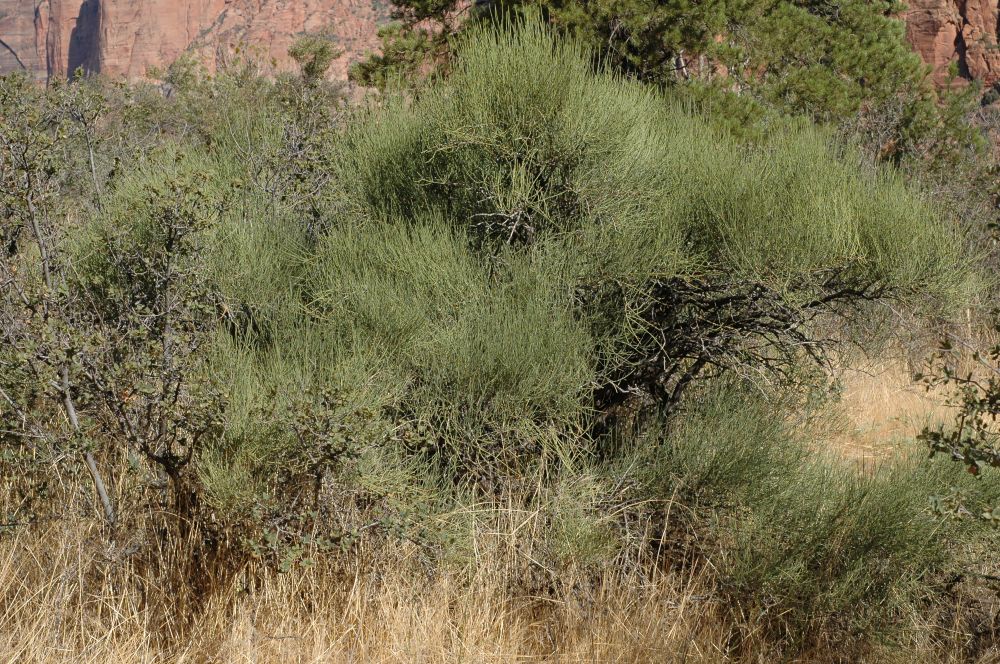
(963,32)
(51,38)
(19,45)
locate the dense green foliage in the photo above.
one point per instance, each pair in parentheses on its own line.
(524,146)
(756,64)
(803,57)
(501,197)
(534,282)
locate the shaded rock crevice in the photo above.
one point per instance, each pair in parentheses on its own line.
(84,41)
(961,49)
(7,54)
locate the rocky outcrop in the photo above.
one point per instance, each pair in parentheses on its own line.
(963,32)
(126,37)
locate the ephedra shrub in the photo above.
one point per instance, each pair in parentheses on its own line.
(677,252)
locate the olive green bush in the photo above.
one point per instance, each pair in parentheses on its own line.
(818,553)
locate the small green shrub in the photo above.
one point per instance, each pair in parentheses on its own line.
(813,551)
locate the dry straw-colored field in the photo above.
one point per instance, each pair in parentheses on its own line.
(64,599)
(57,607)
(881,410)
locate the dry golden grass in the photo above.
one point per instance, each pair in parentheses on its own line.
(66,596)
(881,410)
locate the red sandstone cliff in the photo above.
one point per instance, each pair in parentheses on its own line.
(959,31)
(126,37)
